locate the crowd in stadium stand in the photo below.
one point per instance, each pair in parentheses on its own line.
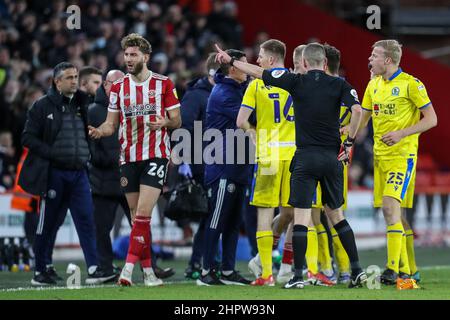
(34,38)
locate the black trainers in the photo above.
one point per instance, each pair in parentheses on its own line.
(295,283)
(163,273)
(42,279)
(389,277)
(357,281)
(51,272)
(209,279)
(100,277)
(193,272)
(234,278)
(403,275)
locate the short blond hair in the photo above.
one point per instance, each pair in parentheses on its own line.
(136,40)
(298,51)
(392,49)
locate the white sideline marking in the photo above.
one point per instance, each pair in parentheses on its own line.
(83,287)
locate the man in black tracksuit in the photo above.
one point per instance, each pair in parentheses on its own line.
(105,178)
(55,134)
(193,108)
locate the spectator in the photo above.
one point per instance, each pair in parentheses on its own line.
(7,166)
(90,81)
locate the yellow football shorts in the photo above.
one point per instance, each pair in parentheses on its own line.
(271,184)
(394,178)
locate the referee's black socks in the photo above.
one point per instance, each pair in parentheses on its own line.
(299,245)
(347,238)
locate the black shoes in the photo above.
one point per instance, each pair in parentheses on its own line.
(42,279)
(101,277)
(403,275)
(51,272)
(389,277)
(296,282)
(163,273)
(235,279)
(357,281)
(210,279)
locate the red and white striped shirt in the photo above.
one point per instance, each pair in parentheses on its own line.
(138,104)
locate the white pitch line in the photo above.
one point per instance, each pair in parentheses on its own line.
(20,289)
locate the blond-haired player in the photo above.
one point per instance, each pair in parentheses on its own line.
(400,109)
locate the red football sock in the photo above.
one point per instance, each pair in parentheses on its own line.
(146,256)
(288,253)
(276,240)
(139,239)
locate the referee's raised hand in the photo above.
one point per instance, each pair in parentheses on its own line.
(222,56)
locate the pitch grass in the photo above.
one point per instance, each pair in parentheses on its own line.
(435,285)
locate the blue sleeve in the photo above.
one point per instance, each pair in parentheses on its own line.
(230,107)
(191,110)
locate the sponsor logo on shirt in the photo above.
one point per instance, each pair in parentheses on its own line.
(140,110)
(278,73)
(376,109)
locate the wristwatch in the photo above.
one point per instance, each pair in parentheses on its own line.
(232,61)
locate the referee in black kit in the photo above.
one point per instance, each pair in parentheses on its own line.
(317,101)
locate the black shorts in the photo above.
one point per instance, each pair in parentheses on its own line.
(150,172)
(310,166)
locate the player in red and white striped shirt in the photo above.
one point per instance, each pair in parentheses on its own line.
(145,105)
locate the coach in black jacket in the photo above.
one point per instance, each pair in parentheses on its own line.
(55,134)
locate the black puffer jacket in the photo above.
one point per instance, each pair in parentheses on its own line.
(104,166)
(44,120)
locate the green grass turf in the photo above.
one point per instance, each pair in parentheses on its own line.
(435,285)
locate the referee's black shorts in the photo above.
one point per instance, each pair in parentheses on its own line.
(310,166)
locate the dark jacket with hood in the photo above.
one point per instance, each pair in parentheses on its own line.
(193,108)
(42,128)
(104,165)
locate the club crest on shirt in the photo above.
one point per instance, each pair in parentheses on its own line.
(151,94)
(376,109)
(231,187)
(123,182)
(278,73)
(395,91)
(113,98)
